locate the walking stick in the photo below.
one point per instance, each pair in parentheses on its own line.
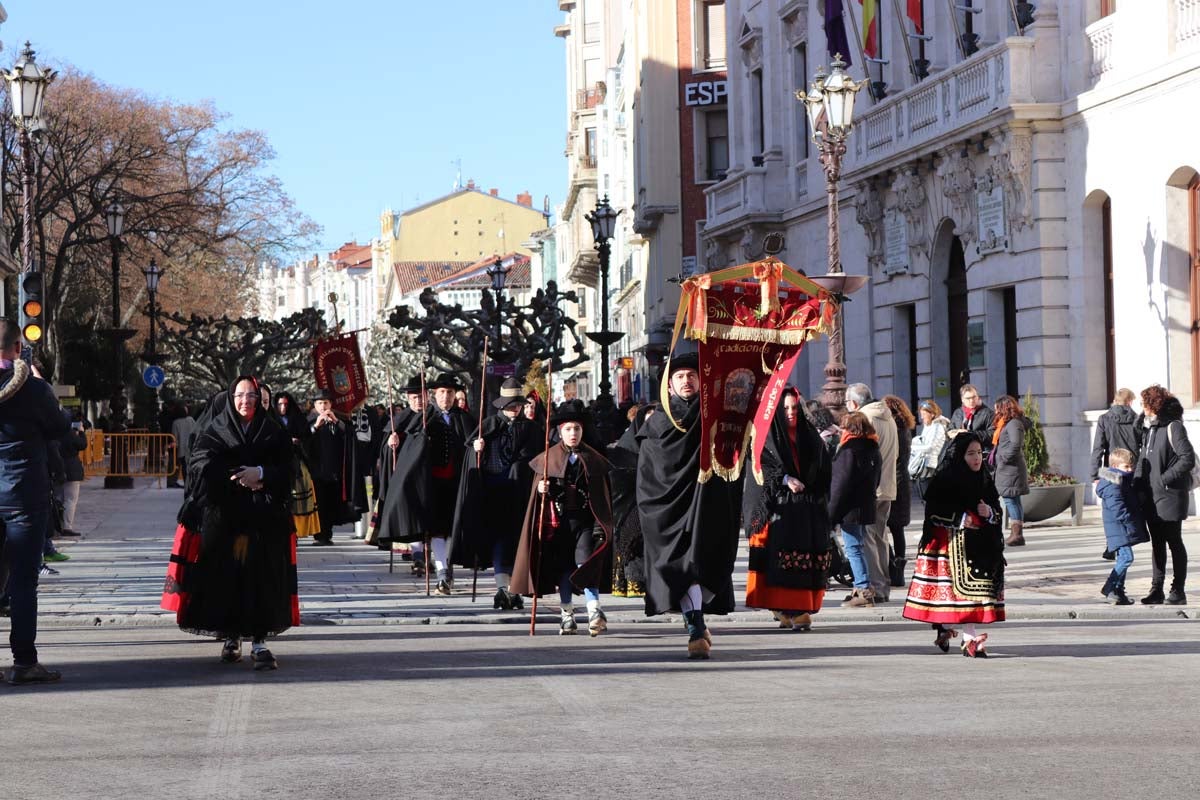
(479,454)
(424,427)
(536,553)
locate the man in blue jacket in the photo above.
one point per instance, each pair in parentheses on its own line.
(29,417)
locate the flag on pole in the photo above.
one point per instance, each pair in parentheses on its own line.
(836,42)
(870,29)
(915,13)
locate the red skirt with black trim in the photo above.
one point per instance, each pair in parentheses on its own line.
(943,593)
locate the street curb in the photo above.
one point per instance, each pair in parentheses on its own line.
(832,616)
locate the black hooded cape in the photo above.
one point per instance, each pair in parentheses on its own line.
(689,529)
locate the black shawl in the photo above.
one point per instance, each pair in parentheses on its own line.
(689,529)
(956,490)
(796,554)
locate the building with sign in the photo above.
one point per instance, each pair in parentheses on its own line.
(1015,237)
(647,128)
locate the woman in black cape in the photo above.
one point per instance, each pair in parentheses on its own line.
(234,565)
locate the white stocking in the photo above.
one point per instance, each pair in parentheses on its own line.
(692,601)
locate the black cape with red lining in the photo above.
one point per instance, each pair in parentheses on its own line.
(689,529)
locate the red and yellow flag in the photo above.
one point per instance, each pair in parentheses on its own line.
(870,29)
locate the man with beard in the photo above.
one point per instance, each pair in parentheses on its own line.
(424,488)
(493,490)
(689,529)
(329,461)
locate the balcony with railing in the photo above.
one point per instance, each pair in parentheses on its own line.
(748,192)
(589,98)
(981,86)
(1187,23)
(1099,37)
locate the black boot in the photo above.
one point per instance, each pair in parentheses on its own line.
(500,601)
(1156,597)
(515,601)
(897,571)
(1177,597)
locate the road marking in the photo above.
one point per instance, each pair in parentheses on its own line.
(224,747)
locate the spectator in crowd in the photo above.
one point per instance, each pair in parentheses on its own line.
(1008,464)
(901,511)
(852,499)
(1164,481)
(29,418)
(74,443)
(928,444)
(875,540)
(1123,523)
(1117,428)
(183,429)
(973,416)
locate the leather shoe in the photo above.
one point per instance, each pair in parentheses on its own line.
(35,673)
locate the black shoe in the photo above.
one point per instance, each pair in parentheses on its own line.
(1176,598)
(897,571)
(67,533)
(443,588)
(264,660)
(1118,598)
(1155,598)
(515,601)
(1109,555)
(321,542)
(418,568)
(35,673)
(500,601)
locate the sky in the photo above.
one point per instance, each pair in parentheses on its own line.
(368,103)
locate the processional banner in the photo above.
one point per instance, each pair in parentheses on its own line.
(339,369)
(750,330)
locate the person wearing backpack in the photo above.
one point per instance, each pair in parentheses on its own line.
(1164,481)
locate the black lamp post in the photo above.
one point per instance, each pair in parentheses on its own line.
(118,469)
(153,275)
(498,273)
(27,87)
(604,223)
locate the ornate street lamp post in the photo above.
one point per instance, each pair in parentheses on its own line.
(118,468)
(499,276)
(27,84)
(830,106)
(153,275)
(604,223)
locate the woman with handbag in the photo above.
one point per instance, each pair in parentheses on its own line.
(927,445)
(1164,481)
(958,581)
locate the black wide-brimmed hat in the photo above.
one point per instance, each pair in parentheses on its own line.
(322,394)
(511,393)
(685,361)
(414,385)
(568,412)
(446,380)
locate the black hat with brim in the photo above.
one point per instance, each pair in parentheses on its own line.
(568,414)
(685,361)
(446,381)
(322,394)
(511,393)
(414,385)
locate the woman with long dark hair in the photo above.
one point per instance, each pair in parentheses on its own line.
(958,581)
(786,518)
(233,572)
(901,512)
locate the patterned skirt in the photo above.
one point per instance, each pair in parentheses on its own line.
(949,587)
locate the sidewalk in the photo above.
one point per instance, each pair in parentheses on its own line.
(115,575)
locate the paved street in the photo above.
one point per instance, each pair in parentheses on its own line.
(366,706)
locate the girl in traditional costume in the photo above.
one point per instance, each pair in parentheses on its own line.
(304,497)
(958,582)
(787,520)
(233,570)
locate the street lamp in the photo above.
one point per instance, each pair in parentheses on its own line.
(498,273)
(114,218)
(830,106)
(153,275)
(604,223)
(27,84)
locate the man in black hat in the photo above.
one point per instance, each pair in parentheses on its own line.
(690,529)
(565,539)
(446,430)
(494,490)
(328,452)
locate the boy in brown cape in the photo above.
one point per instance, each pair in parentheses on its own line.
(567,549)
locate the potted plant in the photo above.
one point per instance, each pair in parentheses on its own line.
(1050,493)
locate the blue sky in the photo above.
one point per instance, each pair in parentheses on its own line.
(367,102)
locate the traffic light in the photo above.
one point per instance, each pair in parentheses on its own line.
(31,307)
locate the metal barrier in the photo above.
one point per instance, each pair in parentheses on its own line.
(130,455)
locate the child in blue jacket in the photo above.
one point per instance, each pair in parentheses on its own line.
(1123,523)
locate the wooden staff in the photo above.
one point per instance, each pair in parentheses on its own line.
(536,553)
(479,453)
(424,426)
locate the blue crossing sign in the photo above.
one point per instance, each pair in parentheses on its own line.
(154,376)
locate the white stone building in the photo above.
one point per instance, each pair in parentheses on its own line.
(1027,213)
(308,283)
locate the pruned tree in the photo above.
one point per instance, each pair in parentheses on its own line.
(392,357)
(213,351)
(196,195)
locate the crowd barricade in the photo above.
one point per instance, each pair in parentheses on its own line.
(130,455)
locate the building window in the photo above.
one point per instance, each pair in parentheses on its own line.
(800,78)
(710,34)
(713,145)
(760,128)
(591,20)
